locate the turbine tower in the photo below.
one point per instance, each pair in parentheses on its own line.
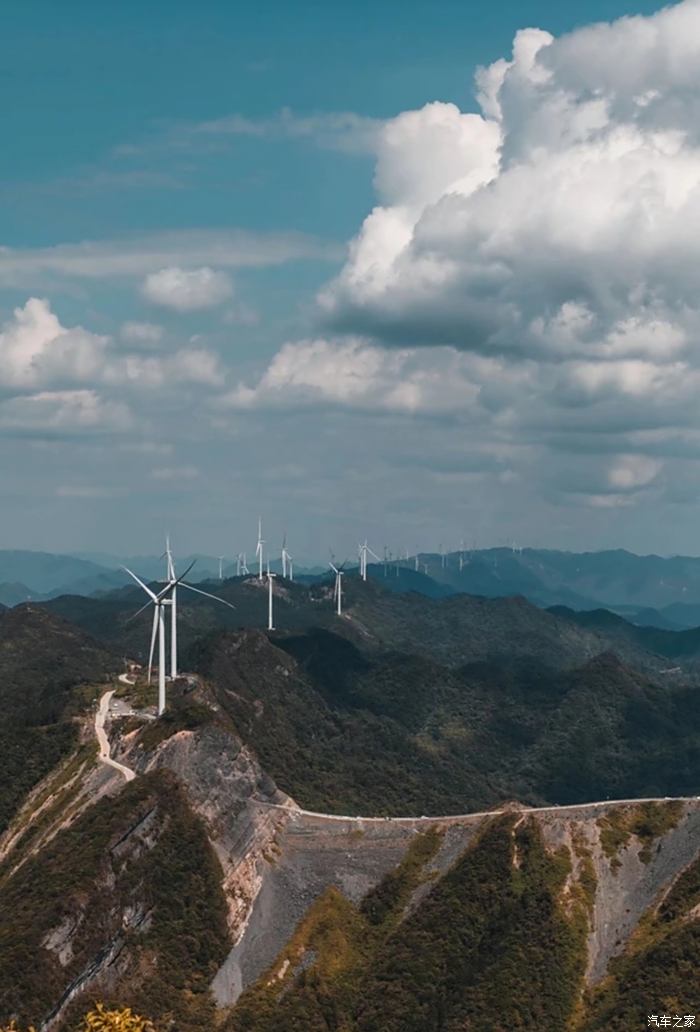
(159,602)
(166,597)
(259,550)
(363,551)
(241,565)
(270,578)
(221,567)
(287,560)
(338,588)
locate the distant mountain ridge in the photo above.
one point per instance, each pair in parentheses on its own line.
(653,590)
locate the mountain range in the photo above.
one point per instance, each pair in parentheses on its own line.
(656,591)
(270,866)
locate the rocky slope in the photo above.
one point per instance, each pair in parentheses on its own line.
(200,881)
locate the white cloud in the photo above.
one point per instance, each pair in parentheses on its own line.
(139,256)
(555,236)
(357,375)
(64,412)
(36,349)
(564,219)
(187,290)
(630,472)
(143,334)
(336,130)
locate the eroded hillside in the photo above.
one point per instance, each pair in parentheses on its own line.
(204,894)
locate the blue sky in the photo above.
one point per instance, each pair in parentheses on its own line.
(179,182)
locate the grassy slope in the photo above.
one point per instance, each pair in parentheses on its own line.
(94,868)
(43,663)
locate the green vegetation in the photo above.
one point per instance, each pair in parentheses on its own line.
(350,731)
(491,946)
(142,853)
(45,665)
(648,822)
(392,894)
(184,713)
(658,972)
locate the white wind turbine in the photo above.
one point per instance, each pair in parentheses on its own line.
(287,560)
(167,597)
(270,578)
(363,551)
(221,566)
(259,550)
(338,588)
(241,565)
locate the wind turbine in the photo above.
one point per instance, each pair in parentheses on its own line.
(363,551)
(259,550)
(287,560)
(159,601)
(338,588)
(221,567)
(270,578)
(241,565)
(167,597)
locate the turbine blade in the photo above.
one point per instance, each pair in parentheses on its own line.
(139,581)
(199,591)
(138,612)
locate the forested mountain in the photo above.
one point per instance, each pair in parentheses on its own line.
(204,892)
(44,665)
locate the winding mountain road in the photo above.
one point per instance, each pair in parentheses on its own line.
(103,740)
(297,811)
(460,817)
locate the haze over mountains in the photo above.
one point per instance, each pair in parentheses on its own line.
(658,591)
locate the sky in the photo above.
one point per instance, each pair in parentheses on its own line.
(413,272)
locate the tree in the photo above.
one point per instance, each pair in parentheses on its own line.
(102,1020)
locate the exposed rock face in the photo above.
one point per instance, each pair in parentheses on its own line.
(239,804)
(315,852)
(277,860)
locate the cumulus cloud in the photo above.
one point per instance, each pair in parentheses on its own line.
(35,348)
(555,236)
(358,375)
(187,290)
(37,351)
